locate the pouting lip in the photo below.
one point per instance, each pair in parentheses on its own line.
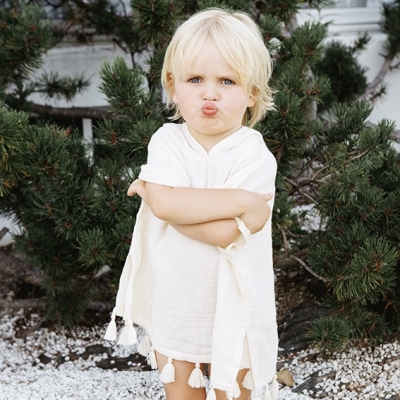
(209,106)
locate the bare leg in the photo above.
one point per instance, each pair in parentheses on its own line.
(180,389)
(245,394)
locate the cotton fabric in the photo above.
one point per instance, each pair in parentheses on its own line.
(198,302)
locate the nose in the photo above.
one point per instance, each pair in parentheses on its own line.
(210,92)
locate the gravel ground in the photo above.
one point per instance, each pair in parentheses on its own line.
(58,365)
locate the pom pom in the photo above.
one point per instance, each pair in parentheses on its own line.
(196,379)
(111,332)
(168,372)
(274,387)
(144,346)
(211,394)
(267,394)
(151,359)
(128,334)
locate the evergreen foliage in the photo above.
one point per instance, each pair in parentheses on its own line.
(330,333)
(75,217)
(347,77)
(25,36)
(71,200)
(12,128)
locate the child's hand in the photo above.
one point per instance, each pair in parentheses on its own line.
(138,187)
(258,212)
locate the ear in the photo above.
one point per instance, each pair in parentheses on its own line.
(252,97)
(251,101)
(170,87)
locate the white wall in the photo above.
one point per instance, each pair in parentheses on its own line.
(73,60)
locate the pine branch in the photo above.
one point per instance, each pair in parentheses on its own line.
(3,232)
(395,135)
(293,24)
(122,46)
(72,112)
(297,259)
(349,161)
(290,27)
(303,193)
(310,162)
(386,67)
(285,261)
(285,242)
(307,181)
(306,267)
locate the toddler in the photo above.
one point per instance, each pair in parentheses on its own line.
(198,277)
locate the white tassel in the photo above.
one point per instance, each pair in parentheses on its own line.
(211,394)
(111,332)
(144,346)
(229,396)
(267,394)
(151,359)
(196,379)
(274,387)
(168,372)
(236,391)
(248,381)
(128,334)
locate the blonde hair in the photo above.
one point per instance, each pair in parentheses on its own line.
(238,39)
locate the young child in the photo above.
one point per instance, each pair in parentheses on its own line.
(198,277)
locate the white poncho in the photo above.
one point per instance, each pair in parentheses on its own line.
(198,302)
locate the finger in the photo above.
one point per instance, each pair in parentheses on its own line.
(268,196)
(132,189)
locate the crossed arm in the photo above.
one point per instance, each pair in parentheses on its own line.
(205,214)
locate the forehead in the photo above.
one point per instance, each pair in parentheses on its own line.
(211,62)
(201,59)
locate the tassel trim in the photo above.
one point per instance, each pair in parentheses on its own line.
(267,394)
(167,374)
(274,388)
(111,332)
(236,391)
(128,334)
(145,346)
(151,358)
(211,394)
(196,378)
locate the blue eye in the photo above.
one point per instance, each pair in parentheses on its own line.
(227,82)
(194,80)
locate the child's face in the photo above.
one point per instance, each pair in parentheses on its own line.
(211,99)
